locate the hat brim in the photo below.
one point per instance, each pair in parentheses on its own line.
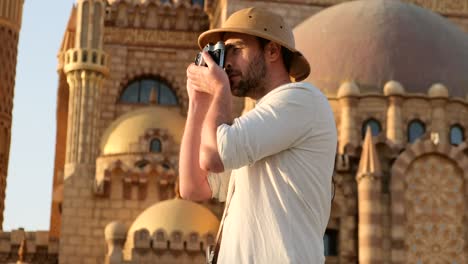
(299,69)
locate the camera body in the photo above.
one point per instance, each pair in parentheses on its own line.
(216,51)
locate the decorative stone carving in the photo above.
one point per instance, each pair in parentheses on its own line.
(151,37)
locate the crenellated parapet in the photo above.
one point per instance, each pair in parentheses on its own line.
(28,247)
(182,15)
(136,176)
(176,241)
(153,246)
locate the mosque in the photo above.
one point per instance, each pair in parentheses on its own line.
(395,73)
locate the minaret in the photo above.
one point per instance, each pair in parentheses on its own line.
(85,66)
(369,183)
(10,23)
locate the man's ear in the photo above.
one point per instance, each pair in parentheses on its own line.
(272,51)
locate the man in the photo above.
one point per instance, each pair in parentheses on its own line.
(277,159)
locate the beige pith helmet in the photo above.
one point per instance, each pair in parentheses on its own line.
(265,24)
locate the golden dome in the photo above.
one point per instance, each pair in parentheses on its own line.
(128,128)
(174,215)
(372,42)
(177,215)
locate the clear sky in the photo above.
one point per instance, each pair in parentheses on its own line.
(32,151)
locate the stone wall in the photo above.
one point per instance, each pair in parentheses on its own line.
(32,247)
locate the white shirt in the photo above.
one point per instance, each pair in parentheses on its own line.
(281,155)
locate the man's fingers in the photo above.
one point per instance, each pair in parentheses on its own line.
(192,68)
(207,57)
(196,84)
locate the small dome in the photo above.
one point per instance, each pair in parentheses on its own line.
(393,88)
(175,215)
(372,42)
(128,128)
(115,230)
(348,89)
(438,90)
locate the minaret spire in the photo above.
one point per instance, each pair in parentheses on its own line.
(369,183)
(369,163)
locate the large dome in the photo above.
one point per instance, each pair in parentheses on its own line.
(128,128)
(374,41)
(177,215)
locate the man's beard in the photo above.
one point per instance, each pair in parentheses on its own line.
(252,82)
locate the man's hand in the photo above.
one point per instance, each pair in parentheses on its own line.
(211,80)
(196,98)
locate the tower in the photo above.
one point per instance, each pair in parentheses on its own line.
(85,68)
(369,177)
(10,24)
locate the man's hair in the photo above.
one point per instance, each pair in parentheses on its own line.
(285,53)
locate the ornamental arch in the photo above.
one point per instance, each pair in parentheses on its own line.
(428,190)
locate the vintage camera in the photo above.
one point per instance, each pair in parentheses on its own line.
(216,52)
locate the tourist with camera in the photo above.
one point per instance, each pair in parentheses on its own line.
(273,166)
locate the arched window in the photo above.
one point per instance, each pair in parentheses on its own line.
(457,135)
(416,129)
(330,242)
(139,91)
(155,146)
(374,125)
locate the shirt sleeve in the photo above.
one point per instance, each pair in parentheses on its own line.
(274,125)
(219,184)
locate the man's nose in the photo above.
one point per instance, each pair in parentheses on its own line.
(228,60)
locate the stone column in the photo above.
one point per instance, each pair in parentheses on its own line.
(369,182)
(439,130)
(348,130)
(394,91)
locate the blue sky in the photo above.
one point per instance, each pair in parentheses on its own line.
(29,182)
